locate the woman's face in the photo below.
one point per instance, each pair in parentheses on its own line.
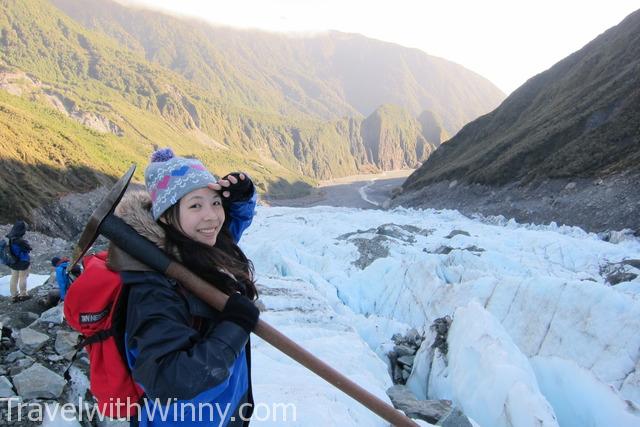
(202,215)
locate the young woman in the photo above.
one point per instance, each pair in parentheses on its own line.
(192,362)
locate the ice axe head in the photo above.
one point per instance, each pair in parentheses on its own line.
(106,208)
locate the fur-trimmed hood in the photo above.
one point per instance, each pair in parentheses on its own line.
(135,210)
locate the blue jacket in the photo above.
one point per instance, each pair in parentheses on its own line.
(62,279)
(184,358)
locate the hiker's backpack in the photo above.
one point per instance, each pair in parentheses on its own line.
(6,256)
(21,253)
(96,306)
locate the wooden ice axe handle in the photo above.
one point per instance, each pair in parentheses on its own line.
(126,238)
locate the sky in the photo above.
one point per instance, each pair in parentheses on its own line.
(505,41)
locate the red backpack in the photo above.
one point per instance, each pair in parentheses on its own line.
(96,306)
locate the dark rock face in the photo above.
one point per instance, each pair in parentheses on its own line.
(372,244)
(403,354)
(68,216)
(441,328)
(430,411)
(598,205)
(455,418)
(620,272)
(402,357)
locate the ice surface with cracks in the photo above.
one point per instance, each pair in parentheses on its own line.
(568,340)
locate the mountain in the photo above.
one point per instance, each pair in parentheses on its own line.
(579,118)
(432,128)
(327,76)
(76,104)
(577,122)
(80,103)
(393,138)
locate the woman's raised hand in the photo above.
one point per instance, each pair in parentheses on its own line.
(233,186)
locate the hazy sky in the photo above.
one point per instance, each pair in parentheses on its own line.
(504,41)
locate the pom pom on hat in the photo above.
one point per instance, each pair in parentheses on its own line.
(162,155)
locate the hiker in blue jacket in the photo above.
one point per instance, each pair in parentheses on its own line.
(192,361)
(20,248)
(64,278)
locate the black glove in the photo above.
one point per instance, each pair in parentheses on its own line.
(241,311)
(241,190)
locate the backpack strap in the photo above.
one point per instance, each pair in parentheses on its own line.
(97,337)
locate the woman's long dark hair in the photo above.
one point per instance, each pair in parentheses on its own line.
(208,261)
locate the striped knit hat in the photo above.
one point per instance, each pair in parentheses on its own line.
(168,178)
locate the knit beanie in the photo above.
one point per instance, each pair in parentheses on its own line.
(168,178)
